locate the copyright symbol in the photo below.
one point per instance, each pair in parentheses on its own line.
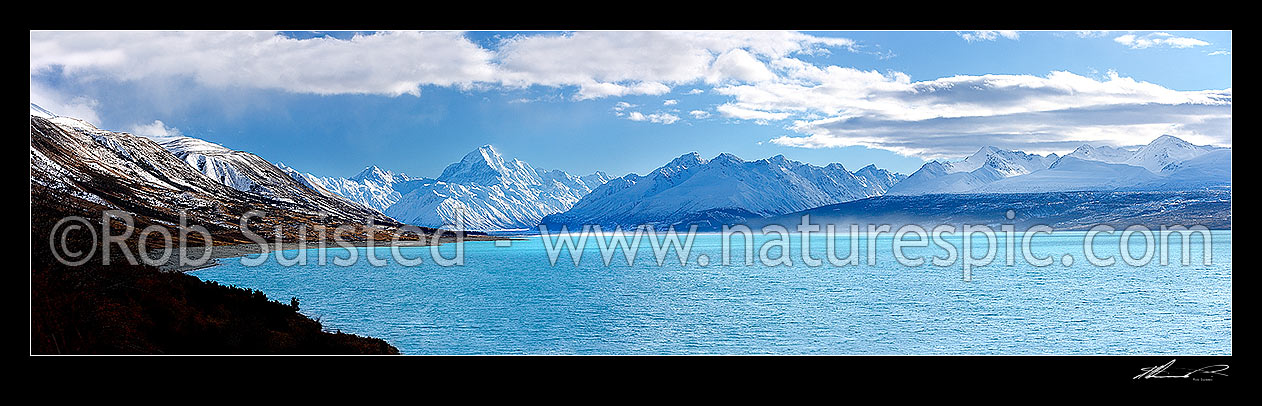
(61,232)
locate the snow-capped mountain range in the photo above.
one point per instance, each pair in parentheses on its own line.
(373,187)
(1166,150)
(994,170)
(987,165)
(483,191)
(1004,163)
(1104,153)
(726,189)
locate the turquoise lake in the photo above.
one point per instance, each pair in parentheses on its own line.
(510,300)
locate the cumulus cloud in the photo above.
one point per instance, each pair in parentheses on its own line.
(670,102)
(659,118)
(739,65)
(972,36)
(598,64)
(391,63)
(605,63)
(156,130)
(594,90)
(1157,39)
(759,73)
(1220,52)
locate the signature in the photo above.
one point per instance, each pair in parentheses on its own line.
(1165,371)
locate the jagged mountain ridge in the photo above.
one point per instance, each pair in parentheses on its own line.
(1166,150)
(240,170)
(490,193)
(692,190)
(987,165)
(483,191)
(1104,153)
(1086,168)
(373,187)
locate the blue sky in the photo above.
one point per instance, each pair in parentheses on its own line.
(332,103)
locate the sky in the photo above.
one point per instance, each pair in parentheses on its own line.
(621,102)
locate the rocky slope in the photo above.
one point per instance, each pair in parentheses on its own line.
(88,170)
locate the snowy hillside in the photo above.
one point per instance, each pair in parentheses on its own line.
(86,168)
(373,187)
(1103,153)
(692,190)
(988,164)
(1211,170)
(1150,167)
(1166,150)
(1071,173)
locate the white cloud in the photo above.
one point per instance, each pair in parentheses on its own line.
(80,107)
(599,90)
(836,106)
(599,64)
(758,72)
(393,63)
(1220,52)
(670,102)
(1091,34)
(1041,132)
(604,63)
(739,65)
(836,91)
(156,130)
(659,118)
(972,36)
(738,112)
(1158,39)
(663,118)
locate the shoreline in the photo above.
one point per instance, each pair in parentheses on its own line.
(227,251)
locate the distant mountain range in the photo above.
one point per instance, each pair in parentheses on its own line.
(723,190)
(484,191)
(373,187)
(1088,168)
